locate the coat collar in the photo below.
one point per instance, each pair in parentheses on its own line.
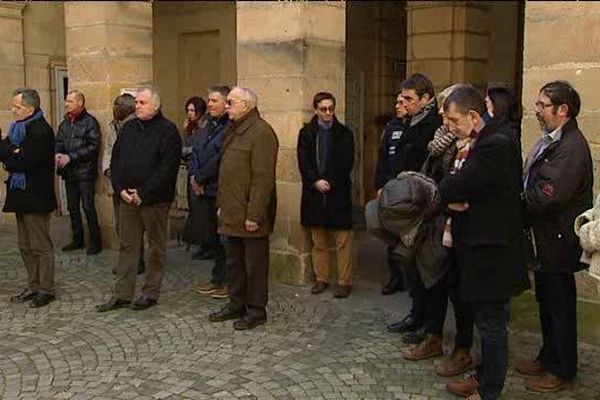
(243,124)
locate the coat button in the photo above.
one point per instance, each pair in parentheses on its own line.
(559,236)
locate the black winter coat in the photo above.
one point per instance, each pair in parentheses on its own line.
(331,210)
(559,188)
(488,234)
(81,141)
(146,157)
(36,159)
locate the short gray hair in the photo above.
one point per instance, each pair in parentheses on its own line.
(29,97)
(222,90)
(248,95)
(154,94)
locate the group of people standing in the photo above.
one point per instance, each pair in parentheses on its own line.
(497,216)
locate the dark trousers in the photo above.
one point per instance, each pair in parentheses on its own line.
(219,270)
(116,203)
(248,267)
(556,294)
(448,287)
(82,193)
(491,321)
(418,293)
(395,268)
(134,221)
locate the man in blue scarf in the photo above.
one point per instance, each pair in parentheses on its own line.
(28,154)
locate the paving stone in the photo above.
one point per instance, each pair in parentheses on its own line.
(311,347)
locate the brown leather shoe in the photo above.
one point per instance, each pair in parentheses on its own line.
(530,367)
(463,388)
(319,287)
(342,291)
(547,383)
(459,362)
(428,348)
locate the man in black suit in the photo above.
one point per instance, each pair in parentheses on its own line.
(558,181)
(484,201)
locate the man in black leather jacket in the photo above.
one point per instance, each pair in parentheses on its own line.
(76,156)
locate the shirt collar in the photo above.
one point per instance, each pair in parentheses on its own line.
(553,136)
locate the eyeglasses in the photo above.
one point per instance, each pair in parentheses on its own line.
(331,109)
(539,105)
(231,102)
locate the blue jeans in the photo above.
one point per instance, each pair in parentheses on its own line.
(491,320)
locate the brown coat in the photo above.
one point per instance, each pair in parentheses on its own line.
(247,177)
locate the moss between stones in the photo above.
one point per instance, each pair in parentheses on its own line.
(525,315)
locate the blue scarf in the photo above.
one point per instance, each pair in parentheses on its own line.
(16,136)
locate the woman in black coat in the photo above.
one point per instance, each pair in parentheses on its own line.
(325,159)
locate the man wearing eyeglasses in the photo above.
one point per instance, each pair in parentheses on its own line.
(558,181)
(325,159)
(247,203)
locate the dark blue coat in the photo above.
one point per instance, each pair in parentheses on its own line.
(206,154)
(389,152)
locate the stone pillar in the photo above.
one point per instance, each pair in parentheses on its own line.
(109,47)
(12,68)
(449,41)
(287,52)
(559,44)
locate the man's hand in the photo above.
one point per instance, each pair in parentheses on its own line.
(62,160)
(379,192)
(136,199)
(127,198)
(322,186)
(197,188)
(251,226)
(459,207)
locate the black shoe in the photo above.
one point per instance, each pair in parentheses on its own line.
(93,250)
(73,246)
(225,314)
(319,287)
(41,300)
(414,337)
(143,302)
(408,324)
(113,304)
(393,286)
(141,268)
(246,323)
(203,255)
(23,296)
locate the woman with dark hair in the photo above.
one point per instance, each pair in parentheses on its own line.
(502,105)
(195,107)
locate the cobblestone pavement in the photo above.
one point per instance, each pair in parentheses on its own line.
(311,348)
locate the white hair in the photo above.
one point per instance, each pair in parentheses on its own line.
(154,94)
(248,95)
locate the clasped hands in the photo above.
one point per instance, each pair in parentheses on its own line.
(131,196)
(61,160)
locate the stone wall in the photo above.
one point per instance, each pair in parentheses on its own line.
(560,43)
(194,48)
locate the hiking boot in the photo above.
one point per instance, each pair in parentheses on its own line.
(459,362)
(428,348)
(221,293)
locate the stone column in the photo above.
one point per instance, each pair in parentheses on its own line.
(109,47)
(12,68)
(559,43)
(448,41)
(287,52)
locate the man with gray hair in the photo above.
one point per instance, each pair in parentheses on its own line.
(246,199)
(144,166)
(27,152)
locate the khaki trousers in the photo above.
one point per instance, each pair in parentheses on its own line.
(134,221)
(320,254)
(37,251)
